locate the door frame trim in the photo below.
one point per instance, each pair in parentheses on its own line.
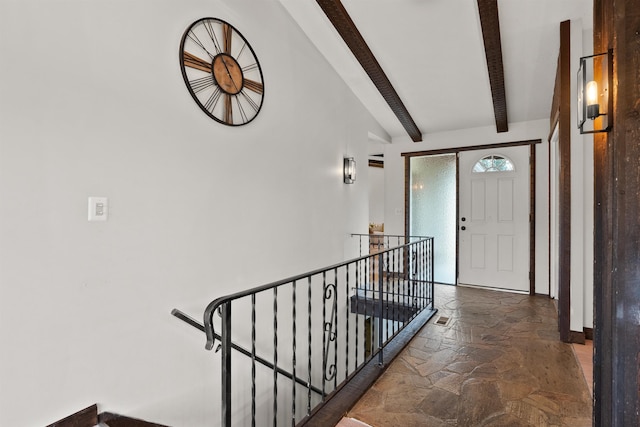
(456,150)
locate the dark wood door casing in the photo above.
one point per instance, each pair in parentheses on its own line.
(532,183)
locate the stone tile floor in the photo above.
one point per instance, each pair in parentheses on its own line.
(498,361)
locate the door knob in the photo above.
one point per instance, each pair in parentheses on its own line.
(463,219)
(463,228)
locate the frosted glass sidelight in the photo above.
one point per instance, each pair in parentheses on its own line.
(433,209)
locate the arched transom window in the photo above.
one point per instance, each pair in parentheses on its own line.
(494,163)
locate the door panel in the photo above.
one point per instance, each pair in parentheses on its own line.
(478,251)
(505,199)
(478,197)
(494,221)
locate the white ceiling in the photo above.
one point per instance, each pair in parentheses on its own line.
(433,54)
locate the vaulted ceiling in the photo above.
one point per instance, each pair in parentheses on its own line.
(432,54)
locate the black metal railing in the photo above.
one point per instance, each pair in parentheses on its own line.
(319,329)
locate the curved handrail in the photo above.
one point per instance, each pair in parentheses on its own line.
(218,302)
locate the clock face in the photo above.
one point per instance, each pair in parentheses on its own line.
(221,71)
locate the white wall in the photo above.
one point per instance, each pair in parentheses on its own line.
(92,103)
(578,238)
(587,187)
(539,129)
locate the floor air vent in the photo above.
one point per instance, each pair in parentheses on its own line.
(442,320)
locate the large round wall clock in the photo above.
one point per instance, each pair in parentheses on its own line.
(221,71)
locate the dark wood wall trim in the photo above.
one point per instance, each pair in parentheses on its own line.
(532,219)
(617,229)
(457,215)
(549,210)
(588,333)
(553,124)
(87,417)
(407,197)
(576,337)
(339,17)
(564,184)
(469,148)
(488,10)
(110,419)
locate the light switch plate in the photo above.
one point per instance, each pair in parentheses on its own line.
(98,208)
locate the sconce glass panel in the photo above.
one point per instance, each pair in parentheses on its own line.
(349,170)
(595,107)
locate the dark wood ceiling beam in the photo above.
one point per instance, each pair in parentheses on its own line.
(342,22)
(493,51)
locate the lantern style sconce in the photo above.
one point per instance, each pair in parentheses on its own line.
(349,170)
(595,102)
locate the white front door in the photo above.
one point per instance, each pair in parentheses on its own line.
(494,218)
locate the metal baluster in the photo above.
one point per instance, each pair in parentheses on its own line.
(406,293)
(358,267)
(400,281)
(293,382)
(412,275)
(423,276)
(335,342)
(324,335)
(384,296)
(346,289)
(426,270)
(373,278)
(226,363)
(420,275)
(432,275)
(253,360)
(423,273)
(380,283)
(389,294)
(394,289)
(309,349)
(367,282)
(425,266)
(275,357)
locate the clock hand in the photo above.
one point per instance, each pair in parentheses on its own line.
(190,60)
(226,67)
(226,42)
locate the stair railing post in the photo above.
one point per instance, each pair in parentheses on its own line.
(225,311)
(381,306)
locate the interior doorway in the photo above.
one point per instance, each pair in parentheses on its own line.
(376,194)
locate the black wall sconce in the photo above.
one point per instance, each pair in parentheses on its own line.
(349,170)
(595,101)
